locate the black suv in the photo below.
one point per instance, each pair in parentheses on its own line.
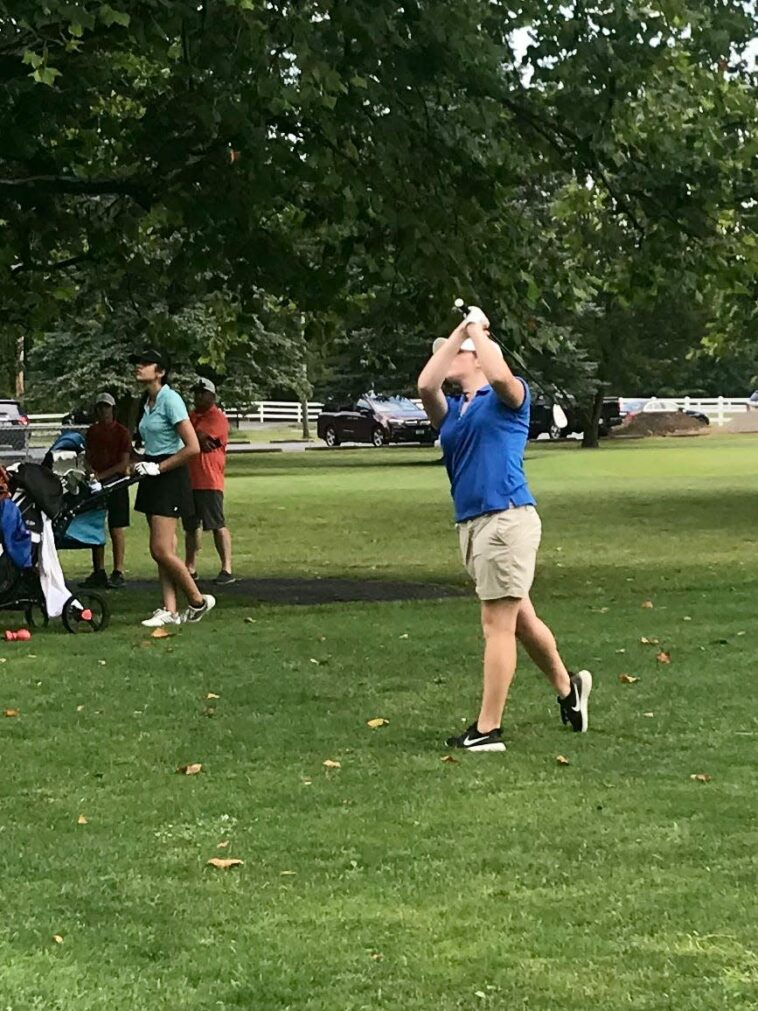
(375,419)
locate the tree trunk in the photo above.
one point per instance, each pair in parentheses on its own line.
(304,412)
(591,437)
(20,385)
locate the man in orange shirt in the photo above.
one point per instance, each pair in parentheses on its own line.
(108,451)
(207,477)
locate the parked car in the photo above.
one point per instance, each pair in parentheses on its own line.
(375,419)
(660,405)
(14,426)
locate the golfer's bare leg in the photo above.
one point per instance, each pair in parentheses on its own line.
(499,619)
(173,572)
(118,542)
(223,541)
(98,558)
(193,540)
(539,642)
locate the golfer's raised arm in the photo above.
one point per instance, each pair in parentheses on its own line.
(499,376)
(433,376)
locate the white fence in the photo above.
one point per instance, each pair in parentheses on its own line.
(265,412)
(718,409)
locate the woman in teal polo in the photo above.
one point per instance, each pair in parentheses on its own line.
(165,492)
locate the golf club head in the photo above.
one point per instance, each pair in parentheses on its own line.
(559,417)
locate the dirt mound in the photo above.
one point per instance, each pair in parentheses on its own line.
(319,591)
(663,423)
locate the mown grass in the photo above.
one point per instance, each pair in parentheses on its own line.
(495,882)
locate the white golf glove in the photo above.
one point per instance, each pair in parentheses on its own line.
(475,315)
(147,469)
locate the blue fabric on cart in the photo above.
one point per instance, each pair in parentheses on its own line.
(84,531)
(16,539)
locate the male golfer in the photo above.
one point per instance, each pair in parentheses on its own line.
(108,451)
(483,433)
(207,473)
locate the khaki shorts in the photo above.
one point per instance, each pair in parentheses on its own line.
(500,551)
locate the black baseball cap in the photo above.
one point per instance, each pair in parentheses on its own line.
(150,357)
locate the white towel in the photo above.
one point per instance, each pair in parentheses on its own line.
(53,584)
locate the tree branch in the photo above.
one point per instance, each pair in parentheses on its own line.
(78,187)
(72,261)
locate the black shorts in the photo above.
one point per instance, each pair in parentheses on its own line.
(209,511)
(118,509)
(169,494)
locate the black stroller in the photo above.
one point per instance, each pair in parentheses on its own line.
(46,511)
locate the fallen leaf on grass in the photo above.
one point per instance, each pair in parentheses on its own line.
(287,874)
(377,956)
(649,642)
(4,659)
(378,722)
(663,657)
(223,844)
(314,660)
(102,663)
(621,651)
(404,635)
(701,777)
(160,633)
(647,604)
(12,712)
(628,679)
(648,714)
(190,770)
(212,695)
(686,618)
(250,621)
(57,938)
(307,782)
(329,764)
(81,820)
(562,760)
(449,760)
(223,864)
(79,708)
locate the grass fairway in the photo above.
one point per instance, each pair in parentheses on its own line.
(399,881)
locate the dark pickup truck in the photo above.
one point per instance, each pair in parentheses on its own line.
(543,422)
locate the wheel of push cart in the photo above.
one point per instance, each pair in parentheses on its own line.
(86,612)
(35,615)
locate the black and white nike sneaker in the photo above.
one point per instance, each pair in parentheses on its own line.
(474,740)
(574,707)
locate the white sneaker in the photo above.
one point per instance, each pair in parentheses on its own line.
(160,617)
(193,614)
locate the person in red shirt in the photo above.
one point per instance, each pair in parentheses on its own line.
(207,477)
(108,451)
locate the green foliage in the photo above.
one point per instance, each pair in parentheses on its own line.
(183,168)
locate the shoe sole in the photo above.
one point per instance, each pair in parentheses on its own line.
(499,746)
(585,682)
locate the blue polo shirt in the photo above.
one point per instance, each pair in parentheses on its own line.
(484,454)
(158,424)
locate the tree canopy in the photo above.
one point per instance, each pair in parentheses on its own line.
(263,186)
